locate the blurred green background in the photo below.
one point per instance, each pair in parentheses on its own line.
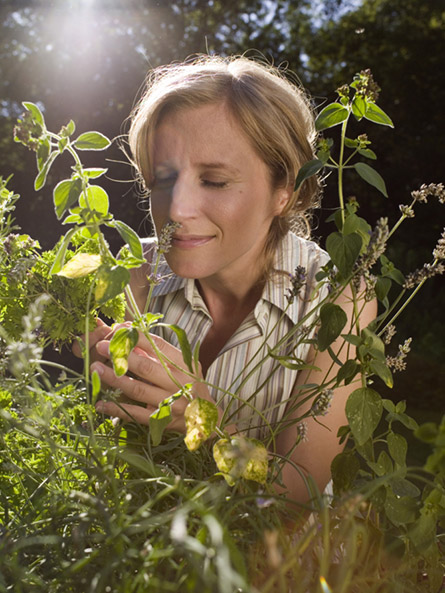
(87,59)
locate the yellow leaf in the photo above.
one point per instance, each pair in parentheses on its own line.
(80,265)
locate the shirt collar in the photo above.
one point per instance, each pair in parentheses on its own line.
(274,292)
(278,285)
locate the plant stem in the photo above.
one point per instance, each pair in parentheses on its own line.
(408,300)
(340,169)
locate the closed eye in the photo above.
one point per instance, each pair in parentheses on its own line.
(214,184)
(163,182)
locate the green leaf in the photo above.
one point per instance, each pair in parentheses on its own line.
(307,170)
(333,320)
(131,238)
(347,372)
(389,405)
(407,421)
(70,128)
(400,510)
(41,177)
(184,344)
(159,421)
(366,450)
(60,257)
(35,112)
(161,418)
(93,172)
(381,370)
(368,153)
(352,339)
(92,141)
(390,271)
(364,230)
(423,532)
(358,107)
(80,265)
(383,465)
(110,281)
(96,199)
(376,347)
(351,143)
(43,152)
(66,193)
(95,383)
(141,463)
(363,411)
(72,219)
(427,432)
(351,225)
(403,487)
(371,176)
(121,345)
(62,144)
(324,150)
(382,287)
(344,469)
(377,115)
(196,357)
(330,116)
(151,320)
(344,250)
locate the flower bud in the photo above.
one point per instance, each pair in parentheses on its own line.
(201,417)
(241,458)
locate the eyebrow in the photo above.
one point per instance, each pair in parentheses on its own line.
(218,166)
(213,165)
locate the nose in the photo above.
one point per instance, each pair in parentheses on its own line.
(183,199)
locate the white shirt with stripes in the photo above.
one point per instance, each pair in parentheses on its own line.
(250,385)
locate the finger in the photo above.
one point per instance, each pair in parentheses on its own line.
(127,412)
(157,344)
(139,414)
(133,388)
(149,368)
(100,333)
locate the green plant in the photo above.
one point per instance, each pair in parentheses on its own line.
(89,506)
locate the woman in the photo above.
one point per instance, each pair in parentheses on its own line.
(218,143)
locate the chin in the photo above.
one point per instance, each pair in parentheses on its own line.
(187,269)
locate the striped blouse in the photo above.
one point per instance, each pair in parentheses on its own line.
(244,379)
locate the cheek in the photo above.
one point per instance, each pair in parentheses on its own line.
(159,205)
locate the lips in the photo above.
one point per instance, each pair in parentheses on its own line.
(190,241)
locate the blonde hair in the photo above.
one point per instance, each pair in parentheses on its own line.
(273,113)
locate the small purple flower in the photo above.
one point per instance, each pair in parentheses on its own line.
(297,280)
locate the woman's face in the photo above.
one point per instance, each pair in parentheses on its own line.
(208,178)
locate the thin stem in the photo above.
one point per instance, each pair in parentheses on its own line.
(86,367)
(340,169)
(401,219)
(408,300)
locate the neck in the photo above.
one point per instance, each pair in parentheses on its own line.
(238,297)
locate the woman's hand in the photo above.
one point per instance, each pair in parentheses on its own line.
(150,382)
(102,332)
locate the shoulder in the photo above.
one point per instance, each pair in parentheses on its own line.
(295,252)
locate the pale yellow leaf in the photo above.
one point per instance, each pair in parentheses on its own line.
(80,265)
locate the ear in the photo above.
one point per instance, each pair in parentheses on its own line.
(282,197)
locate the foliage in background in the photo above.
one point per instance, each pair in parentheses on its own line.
(68,56)
(86,506)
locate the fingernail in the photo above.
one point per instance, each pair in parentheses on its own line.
(103,347)
(98,368)
(100,406)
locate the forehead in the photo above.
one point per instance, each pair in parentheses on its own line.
(209,129)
